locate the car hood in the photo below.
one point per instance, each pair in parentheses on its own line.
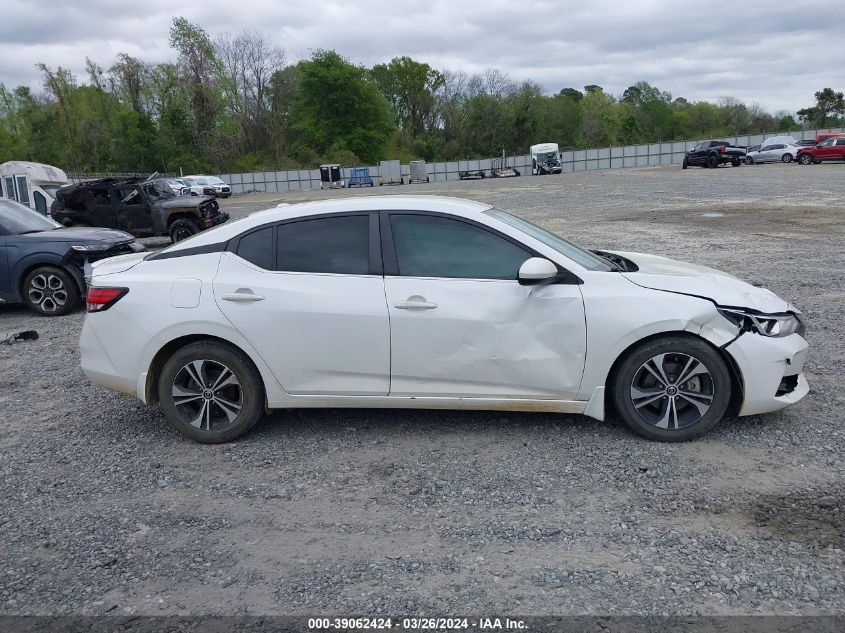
(183,202)
(80,234)
(662,273)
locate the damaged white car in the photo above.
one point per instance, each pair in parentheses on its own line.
(429,302)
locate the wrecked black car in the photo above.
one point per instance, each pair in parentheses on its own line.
(42,263)
(142,207)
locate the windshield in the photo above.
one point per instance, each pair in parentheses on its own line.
(163,188)
(544,156)
(577,254)
(16,219)
(51,190)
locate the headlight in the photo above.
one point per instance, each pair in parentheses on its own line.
(90,248)
(776,325)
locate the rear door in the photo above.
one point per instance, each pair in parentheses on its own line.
(308,294)
(839,148)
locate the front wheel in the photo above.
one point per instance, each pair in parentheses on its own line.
(672,389)
(181,229)
(211,392)
(804,159)
(749,160)
(50,291)
(786,158)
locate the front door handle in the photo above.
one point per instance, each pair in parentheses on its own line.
(415,302)
(242,295)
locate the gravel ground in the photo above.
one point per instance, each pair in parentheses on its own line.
(105,509)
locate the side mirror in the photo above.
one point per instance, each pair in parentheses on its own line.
(537,270)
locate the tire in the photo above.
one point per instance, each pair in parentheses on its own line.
(786,158)
(50,291)
(205,414)
(181,229)
(650,409)
(736,163)
(805,159)
(817,162)
(712,161)
(749,160)
(685,164)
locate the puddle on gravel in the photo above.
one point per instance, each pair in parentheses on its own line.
(804,518)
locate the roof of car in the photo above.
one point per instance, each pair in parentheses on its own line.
(455,206)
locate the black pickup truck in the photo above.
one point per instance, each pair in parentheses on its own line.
(714,153)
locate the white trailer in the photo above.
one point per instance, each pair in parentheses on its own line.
(390,173)
(545,159)
(32,184)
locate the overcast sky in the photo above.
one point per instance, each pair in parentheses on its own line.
(775,52)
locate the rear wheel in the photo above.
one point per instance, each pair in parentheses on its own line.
(211,392)
(712,161)
(181,229)
(50,291)
(672,389)
(786,158)
(736,163)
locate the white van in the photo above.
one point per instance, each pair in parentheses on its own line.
(545,159)
(32,184)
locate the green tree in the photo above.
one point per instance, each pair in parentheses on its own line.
(410,87)
(337,108)
(829,104)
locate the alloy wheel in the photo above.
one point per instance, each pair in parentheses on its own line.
(47,292)
(207,394)
(672,390)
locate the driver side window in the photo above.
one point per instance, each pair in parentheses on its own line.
(433,246)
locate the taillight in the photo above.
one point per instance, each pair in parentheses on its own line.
(100,299)
(722,149)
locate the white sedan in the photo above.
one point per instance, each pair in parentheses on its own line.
(773,153)
(429,302)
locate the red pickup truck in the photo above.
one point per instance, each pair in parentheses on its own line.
(829,149)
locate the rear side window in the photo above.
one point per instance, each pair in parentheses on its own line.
(431,246)
(257,248)
(337,245)
(23,190)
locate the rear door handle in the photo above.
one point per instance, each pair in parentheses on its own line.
(242,295)
(415,302)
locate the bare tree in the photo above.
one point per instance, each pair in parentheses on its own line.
(249,60)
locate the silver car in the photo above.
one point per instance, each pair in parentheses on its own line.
(772,153)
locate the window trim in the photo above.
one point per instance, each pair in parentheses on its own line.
(391,263)
(375,266)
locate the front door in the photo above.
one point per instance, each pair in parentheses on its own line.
(461,325)
(308,295)
(133,210)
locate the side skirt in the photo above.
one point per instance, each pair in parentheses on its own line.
(415,402)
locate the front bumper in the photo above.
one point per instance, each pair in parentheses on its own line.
(771,370)
(214,220)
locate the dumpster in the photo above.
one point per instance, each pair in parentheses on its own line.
(419,172)
(330,177)
(391,173)
(359,177)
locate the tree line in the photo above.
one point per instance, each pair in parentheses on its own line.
(234,103)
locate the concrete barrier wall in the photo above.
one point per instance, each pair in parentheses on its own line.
(646,155)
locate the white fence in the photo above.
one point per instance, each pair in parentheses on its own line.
(647,155)
(651,154)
